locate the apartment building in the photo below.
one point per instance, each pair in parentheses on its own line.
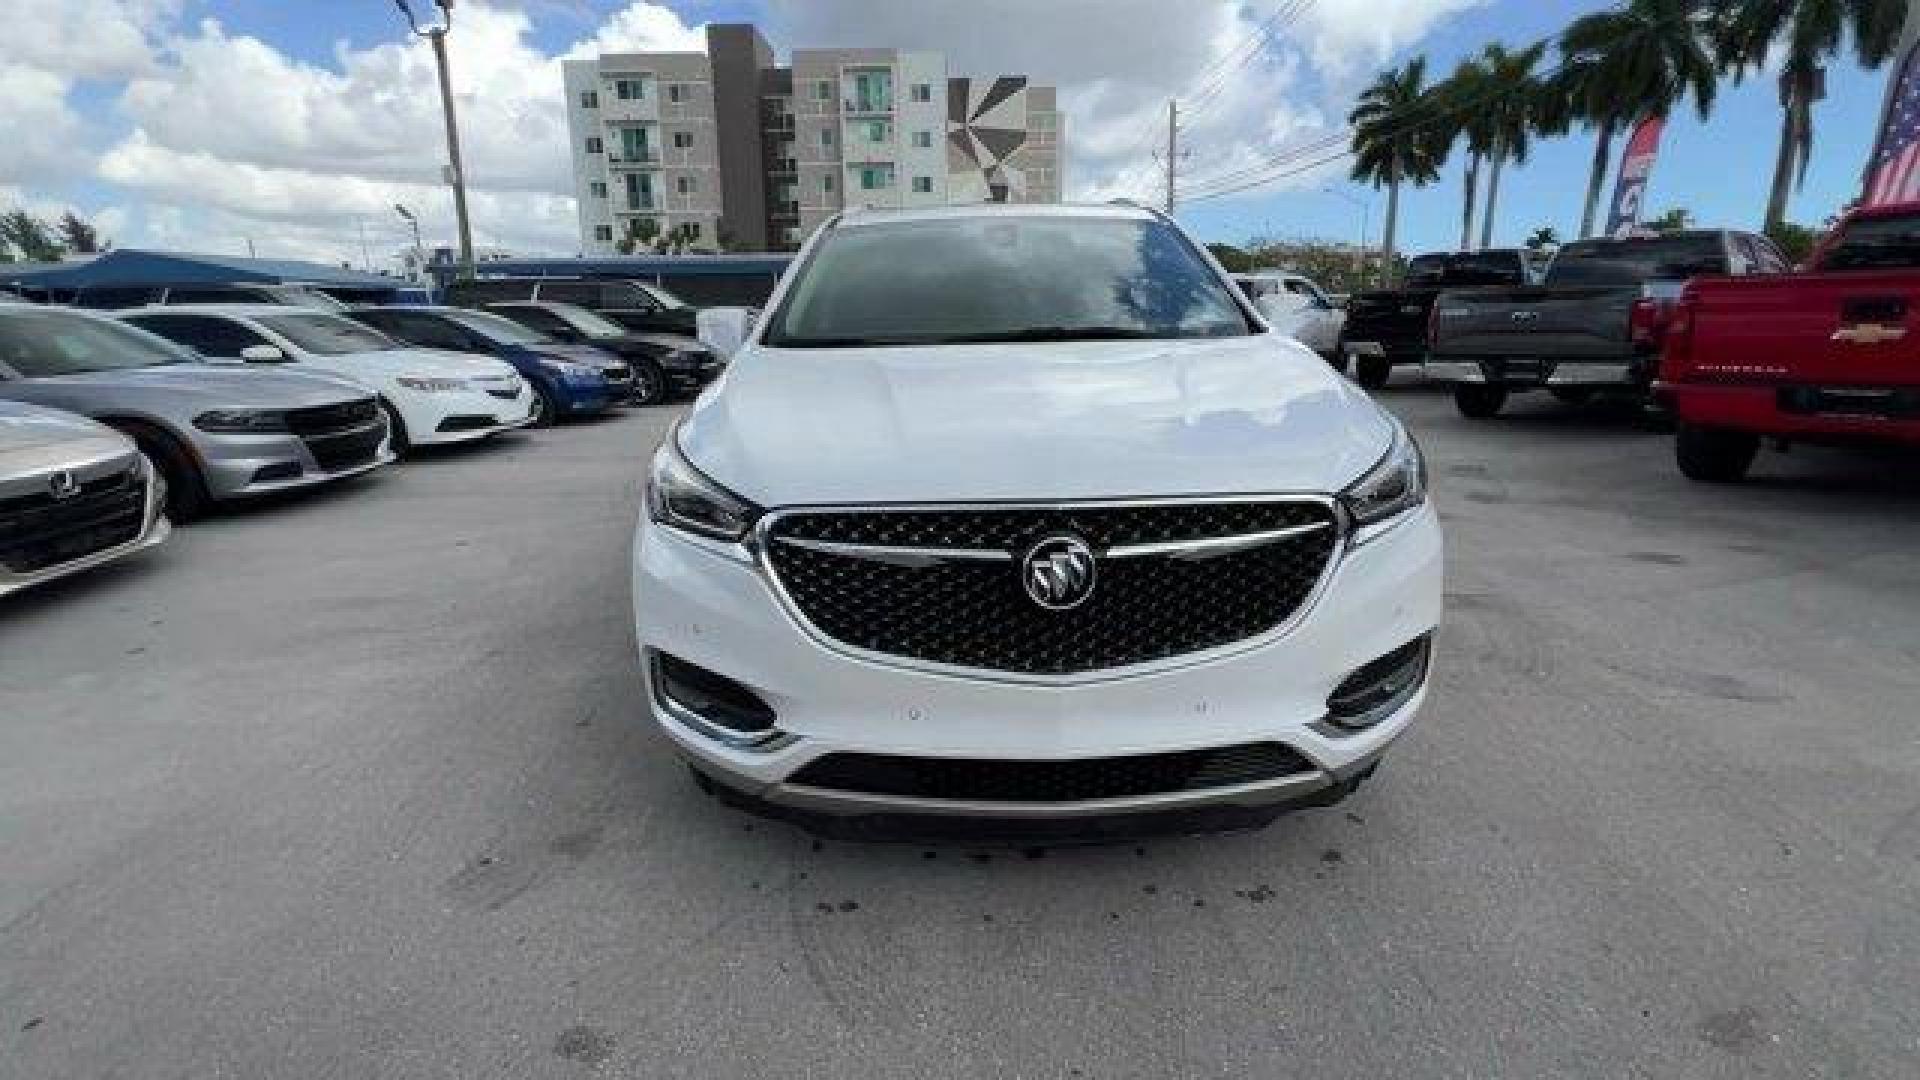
(727,149)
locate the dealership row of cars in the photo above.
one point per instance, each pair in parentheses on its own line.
(1713,326)
(114,425)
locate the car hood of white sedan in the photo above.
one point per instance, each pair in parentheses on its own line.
(1068,420)
(432,363)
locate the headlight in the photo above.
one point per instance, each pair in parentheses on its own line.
(431,385)
(1391,488)
(679,497)
(243,421)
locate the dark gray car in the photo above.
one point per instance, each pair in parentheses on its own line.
(216,432)
(73,494)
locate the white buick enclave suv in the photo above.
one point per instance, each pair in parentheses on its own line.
(1020,519)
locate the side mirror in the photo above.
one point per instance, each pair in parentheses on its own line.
(263,354)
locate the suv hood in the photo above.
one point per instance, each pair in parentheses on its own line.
(1069,420)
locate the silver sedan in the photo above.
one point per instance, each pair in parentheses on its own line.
(73,494)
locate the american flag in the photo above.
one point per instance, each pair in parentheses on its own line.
(1895,174)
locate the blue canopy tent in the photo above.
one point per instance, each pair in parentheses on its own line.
(737,278)
(134,268)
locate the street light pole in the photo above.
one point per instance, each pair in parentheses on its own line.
(436,36)
(419,249)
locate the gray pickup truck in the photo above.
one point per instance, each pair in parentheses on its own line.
(1593,325)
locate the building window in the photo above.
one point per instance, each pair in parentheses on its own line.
(826,183)
(594,145)
(676,93)
(823,91)
(690,230)
(630,89)
(589,99)
(636,144)
(603,233)
(826,136)
(682,139)
(639,191)
(597,188)
(922,92)
(923,184)
(876,131)
(876,178)
(685,185)
(923,139)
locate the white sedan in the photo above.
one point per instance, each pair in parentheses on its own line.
(431,396)
(1296,307)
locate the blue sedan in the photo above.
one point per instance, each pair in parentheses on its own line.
(567,379)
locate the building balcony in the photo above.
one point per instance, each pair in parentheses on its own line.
(648,160)
(776,122)
(854,107)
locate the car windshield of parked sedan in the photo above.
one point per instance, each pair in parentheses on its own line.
(1877,243)
(325,335)
(497,328)
(663,296)
(1630,262)
(43,344)
(995,277)
(588,323)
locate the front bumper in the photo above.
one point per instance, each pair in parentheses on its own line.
(434,419)
(238,465)
(154,530)
(718,612)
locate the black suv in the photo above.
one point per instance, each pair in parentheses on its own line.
(640,306)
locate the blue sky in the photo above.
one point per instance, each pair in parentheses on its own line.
(155,175)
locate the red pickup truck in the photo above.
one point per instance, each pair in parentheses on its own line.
(1830,354)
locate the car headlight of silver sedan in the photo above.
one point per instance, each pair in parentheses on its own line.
(1397,484)
(679,497)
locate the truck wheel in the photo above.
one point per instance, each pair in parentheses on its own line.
(1573,395)
(1372,372)
(1479,402)
(1714,457)
(650,386)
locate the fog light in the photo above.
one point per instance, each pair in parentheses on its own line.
(1379,689)
(710,703)
(279,470)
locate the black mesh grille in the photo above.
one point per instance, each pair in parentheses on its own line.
(978,614)
(347,449)
(105,514)
(327,419)
(985,780)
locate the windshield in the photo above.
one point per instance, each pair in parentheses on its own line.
(40,344)
(325,335)
(497,328)
(1484,268)
(995,277)
(588,322)
(1630,262)
(1877,243)
(662,294)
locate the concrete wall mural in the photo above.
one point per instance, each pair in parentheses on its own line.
(986,128)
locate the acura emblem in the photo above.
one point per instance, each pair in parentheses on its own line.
(1058,572)
(63,485)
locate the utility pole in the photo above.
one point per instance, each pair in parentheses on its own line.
(437,37)
(1173,148)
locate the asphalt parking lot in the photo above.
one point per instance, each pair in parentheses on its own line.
(359,785)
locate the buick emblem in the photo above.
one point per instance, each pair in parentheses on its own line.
(63,485)
(1058,572)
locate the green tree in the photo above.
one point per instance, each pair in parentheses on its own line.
(1232,259)
(1623,65)
(1673,219)
(639,236)
(29,236)
(1457,100)
(1514,109)
(79,235)
(1393,141)
(1796,242)
(1544,237)
(1802,36)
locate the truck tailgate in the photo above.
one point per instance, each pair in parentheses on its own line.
(1563,323)
(1397,317)
(1830,329)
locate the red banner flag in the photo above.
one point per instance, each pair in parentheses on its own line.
(1630,190)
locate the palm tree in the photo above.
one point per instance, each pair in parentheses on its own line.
(1512,110)
(1624,65)
(1460,97)
(1805,35)
(1393,140)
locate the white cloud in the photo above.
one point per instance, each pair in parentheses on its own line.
(40,131)
(85,38)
